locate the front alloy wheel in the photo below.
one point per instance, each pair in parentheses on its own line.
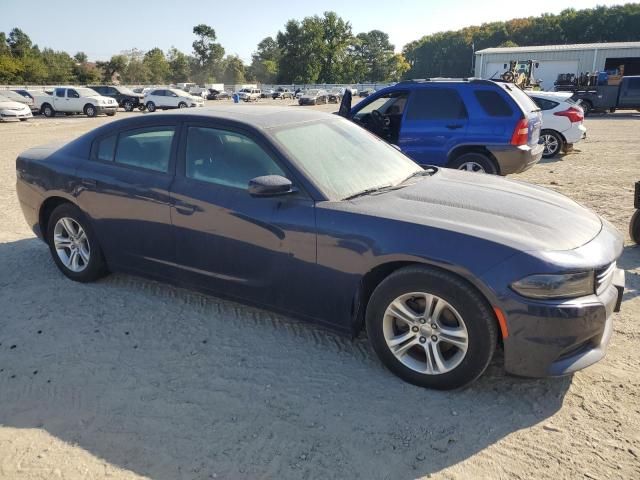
(128,106)
(425,333)
(431,327)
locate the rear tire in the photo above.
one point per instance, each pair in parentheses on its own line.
(47,110)
(444,334)
(634,227)
(128,106)
(151,107)
(474,162)
(69,233)
(553,143)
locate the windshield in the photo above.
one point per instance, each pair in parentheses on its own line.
(343,159)
(312,92)
(86,92)
(126,91)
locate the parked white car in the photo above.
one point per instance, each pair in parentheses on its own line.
(77,100)
(164,98)
(562,122)
(250,94)
(11,110)
(17,97)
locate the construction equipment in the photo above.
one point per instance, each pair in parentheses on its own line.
(521,74)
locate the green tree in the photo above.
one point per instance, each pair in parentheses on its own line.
(80,57)
(336,37)
(264,61)
(157,66)
(234,71)
(19,43)
(11,69)
(179,67)
(208,53)
(372,55)
(301,47)
(59,66)
(114,67)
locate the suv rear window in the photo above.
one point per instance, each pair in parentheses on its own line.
(493,103)
(435,104)
(522,99)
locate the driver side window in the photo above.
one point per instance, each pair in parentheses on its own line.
(72,93)
(389,104)
(226,158)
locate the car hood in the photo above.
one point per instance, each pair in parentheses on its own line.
(508,212)
(11,105)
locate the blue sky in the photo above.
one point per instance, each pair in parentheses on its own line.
(101,29)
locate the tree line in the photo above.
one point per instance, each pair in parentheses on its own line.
(316,49)
(450,53)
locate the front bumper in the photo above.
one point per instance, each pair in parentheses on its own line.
(10,115)
(558,339)
(512,159)
(106,108)
(575,134)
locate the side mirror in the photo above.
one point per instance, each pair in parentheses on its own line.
(270,185)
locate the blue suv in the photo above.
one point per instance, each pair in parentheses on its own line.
(468,124)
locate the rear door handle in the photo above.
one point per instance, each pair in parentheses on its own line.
(454,126)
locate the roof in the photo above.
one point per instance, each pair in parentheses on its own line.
(257,116)
(559,48)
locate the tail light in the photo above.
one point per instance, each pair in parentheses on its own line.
(572,113)
(521,133)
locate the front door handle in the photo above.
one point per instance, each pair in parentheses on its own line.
(454,126)
(185,208)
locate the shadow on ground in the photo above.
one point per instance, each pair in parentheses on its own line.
(173,384)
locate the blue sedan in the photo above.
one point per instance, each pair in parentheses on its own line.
(307,214)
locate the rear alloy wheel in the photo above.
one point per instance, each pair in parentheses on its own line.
(128,106)
(182,105)
(48,111)
(73,245)
(553,143)
(151,107)
(431,328)
(90,110)
(474,162)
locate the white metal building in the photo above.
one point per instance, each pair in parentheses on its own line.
(555,59)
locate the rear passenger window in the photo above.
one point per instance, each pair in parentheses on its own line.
(148,148)
(545,104)
(106,147)
(436,104)
(493,103)
(226,158)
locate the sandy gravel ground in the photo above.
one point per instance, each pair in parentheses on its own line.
(128,378)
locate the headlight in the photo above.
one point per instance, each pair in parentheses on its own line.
(566,285)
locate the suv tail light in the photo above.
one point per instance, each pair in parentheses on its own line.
(521,133)
(572,113)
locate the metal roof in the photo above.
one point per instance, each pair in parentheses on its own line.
(558,48)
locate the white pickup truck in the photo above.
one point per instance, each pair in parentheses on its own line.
(76,100)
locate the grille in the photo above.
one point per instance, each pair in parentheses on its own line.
(604,276)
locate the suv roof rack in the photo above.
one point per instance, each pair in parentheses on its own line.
(438,79)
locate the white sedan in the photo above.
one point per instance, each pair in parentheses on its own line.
(10,110)
(562,122)
(163,98)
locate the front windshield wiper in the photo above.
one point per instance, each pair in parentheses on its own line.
(368,191)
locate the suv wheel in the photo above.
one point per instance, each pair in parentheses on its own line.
(431,328)
(553,143)
(128,106)
(151,107)
(90,110)
(182,105)
(474,162)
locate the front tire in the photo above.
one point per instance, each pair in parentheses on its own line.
(182,105)
(90,110)
(474,162)
(553,143)
(431,328)
(128,106)
(151,107)
(73,245)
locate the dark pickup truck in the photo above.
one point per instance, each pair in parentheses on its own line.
(125,97)
(625,96)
